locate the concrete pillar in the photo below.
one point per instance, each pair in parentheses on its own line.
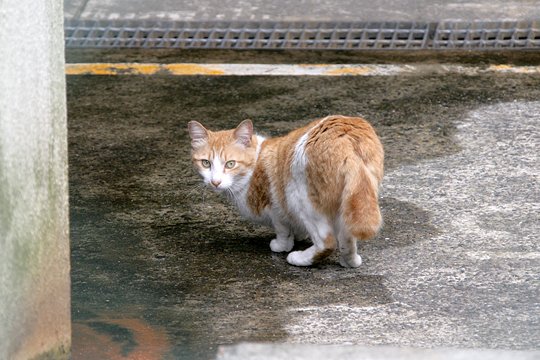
(34,241)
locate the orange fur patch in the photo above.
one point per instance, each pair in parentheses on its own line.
(329,248)
(259,196)
(341,151)
(276,157)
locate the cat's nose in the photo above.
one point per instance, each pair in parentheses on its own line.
(216,182)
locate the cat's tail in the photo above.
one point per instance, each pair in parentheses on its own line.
(360,206)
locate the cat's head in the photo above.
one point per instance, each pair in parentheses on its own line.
(224,159)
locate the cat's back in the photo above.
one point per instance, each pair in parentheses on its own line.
(335,157)
(328,139)
(321,154)
(331,137)
(277,153)
(337,137)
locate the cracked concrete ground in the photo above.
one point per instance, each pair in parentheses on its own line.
(163,268)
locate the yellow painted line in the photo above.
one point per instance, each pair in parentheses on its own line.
(111,69)
(140,69)
(186,69)
(359,71)
(190,69)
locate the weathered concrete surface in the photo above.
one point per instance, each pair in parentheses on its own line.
(34,242)
(162,266)
(481,271)
(313,10)
(480,59)
(351,352)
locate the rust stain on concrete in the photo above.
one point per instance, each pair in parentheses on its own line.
(118,339)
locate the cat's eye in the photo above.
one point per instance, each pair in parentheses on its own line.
(230,164)
(205,163)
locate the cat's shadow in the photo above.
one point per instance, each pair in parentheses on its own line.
(403,225)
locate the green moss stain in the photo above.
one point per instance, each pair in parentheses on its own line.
(5,204)
(62,352)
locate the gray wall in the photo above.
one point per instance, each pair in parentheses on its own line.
(34,241)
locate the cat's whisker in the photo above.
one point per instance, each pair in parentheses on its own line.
(232,195)
(198,189)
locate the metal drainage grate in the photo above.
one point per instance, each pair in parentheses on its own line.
(347,36)
(505,34)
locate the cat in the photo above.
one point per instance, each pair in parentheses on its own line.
(320,181)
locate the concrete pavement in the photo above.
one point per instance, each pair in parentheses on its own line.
(350,352)
(314,10)
(162,266)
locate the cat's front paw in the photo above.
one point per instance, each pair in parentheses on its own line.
(350,261)
(281,245)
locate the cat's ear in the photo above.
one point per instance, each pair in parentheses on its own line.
(198,134)
(244,132)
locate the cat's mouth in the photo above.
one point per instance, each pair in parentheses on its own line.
(217,187)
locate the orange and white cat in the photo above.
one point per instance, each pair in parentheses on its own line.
(320,181)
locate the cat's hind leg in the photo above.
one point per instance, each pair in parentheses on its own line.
(313,254)
(348,252)
(300,205)
(324,244)
(360,217)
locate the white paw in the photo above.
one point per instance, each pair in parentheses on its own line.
(281,245)
(299,258)
(351,261)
